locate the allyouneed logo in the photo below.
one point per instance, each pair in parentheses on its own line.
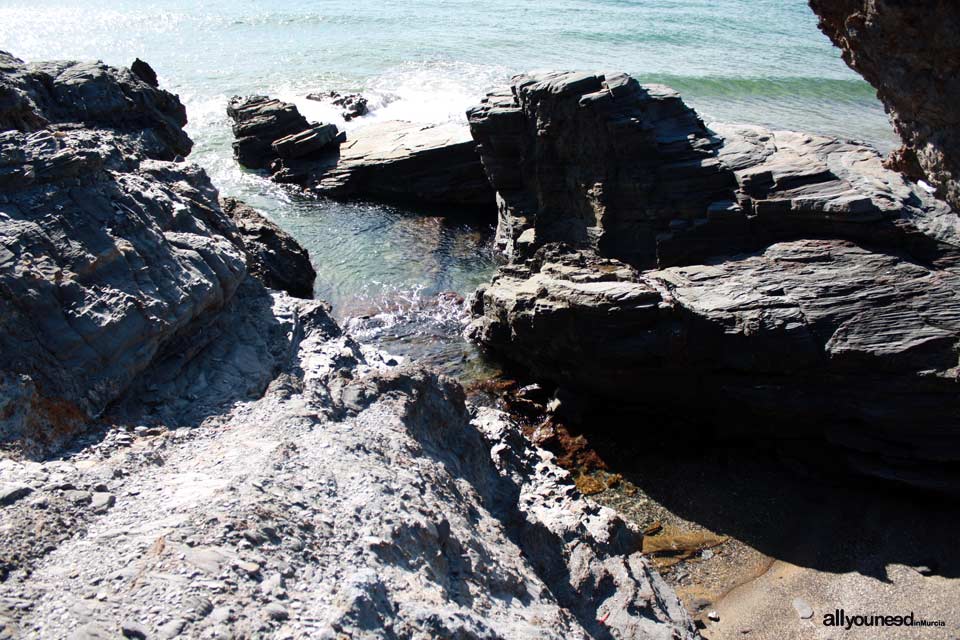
(839,618)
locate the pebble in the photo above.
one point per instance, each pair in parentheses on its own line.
(133,630)
(276,611)
(10,493)
(171,629)
(250,568)
(77,497)
(804,610)
(101,502)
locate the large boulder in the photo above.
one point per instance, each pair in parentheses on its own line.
(908,52)
(109,253)
(268,131)
(393,161)
(595,160)
(797,276)
(806,339)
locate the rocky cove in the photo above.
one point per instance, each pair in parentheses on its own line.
(195,447)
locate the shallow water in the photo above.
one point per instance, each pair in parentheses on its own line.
(758,61)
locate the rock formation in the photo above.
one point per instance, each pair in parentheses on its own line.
(243,467)
(352,105)
(908,51)
(435,165)
(273,256)
(803,290)
(597,161)
(395,162)
(271,133)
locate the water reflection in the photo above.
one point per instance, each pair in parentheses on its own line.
(397,277)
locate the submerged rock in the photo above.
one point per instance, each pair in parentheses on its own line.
(908,52)
(804,290)
(352,105)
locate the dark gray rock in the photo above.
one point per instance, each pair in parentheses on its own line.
(908,52)
(273,256)
(94,95)
(434,165)
(352,105)
(397,162)
(10,493)
(108,254)
(809,339)
(267,130)
(804,290)
(307,142)
(595,160)
(145,72)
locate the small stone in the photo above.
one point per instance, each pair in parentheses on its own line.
(101,502)
(250,568)
(714,616)
(133,630)
(273,584)
(804,610)
(276,611)
(10,493)
(171,629)
(77,497)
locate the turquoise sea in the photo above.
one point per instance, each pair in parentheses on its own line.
(756,61)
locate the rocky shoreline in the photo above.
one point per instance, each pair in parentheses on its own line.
(193,447)
(190,453)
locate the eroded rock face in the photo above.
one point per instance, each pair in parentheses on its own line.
(804,339)
(818,298)
(594,160)
(908,51)
(273,256)
(108,252)
(93,95)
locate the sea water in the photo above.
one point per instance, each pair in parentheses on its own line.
(391,273)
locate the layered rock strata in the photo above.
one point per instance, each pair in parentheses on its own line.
(244,467)
(803,289)
(908,52)
(406,162)
(273,134)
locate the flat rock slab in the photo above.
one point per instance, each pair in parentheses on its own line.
(409,162)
